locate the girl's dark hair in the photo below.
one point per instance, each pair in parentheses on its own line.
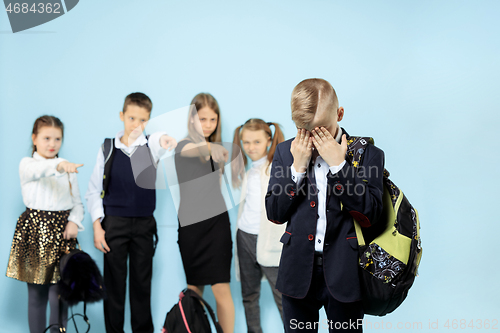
(49,121)
(254,124)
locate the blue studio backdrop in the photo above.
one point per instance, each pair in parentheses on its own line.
(420,77)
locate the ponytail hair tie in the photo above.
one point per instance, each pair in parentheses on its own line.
(269,124)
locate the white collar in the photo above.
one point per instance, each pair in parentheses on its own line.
(140,141)
(259,162)
(39,157)
(338,137)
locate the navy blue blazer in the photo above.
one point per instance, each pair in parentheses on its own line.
(361,195)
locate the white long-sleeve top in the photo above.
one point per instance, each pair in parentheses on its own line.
(249,221)
(268,240)
(45,188)
(321,169)
(93,195)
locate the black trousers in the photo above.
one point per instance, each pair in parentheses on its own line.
(302,315)
(128,238)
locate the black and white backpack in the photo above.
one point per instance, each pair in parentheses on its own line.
(390,252)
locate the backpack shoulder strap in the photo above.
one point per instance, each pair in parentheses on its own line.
(356,146)
(150,153)
(192,293)
(108,148)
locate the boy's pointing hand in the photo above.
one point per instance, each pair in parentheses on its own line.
(330,150)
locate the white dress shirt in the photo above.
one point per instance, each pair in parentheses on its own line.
(321,169)
(93,195)
(249,220)
(45,188)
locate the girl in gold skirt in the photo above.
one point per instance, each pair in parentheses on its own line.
(50,224)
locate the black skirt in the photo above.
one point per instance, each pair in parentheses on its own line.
(206,251)
(38,245)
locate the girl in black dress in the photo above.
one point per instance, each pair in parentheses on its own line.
(204,229)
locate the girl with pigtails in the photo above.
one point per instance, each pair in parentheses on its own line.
(257,239)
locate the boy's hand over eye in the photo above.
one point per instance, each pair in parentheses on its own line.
(329,149)
(167,142)
(301,150)
(68,167)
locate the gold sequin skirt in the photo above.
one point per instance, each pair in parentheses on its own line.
(38,245)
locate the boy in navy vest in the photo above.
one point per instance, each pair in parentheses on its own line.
(318,192)
(121,199)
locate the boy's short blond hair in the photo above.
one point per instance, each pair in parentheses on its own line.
(308,96)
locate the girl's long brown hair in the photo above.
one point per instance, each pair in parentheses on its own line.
(254,124)
(49,121)
(199,102)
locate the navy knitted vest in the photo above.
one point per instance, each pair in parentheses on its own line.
(130,191)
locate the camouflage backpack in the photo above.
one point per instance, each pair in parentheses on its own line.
(390,251)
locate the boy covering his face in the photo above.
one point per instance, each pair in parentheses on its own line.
(318,192)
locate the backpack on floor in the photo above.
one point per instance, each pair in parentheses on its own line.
(188,315)
(390,251)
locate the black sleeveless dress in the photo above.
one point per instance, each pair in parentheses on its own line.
(204,228)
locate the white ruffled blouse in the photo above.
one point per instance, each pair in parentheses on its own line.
(45,188)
